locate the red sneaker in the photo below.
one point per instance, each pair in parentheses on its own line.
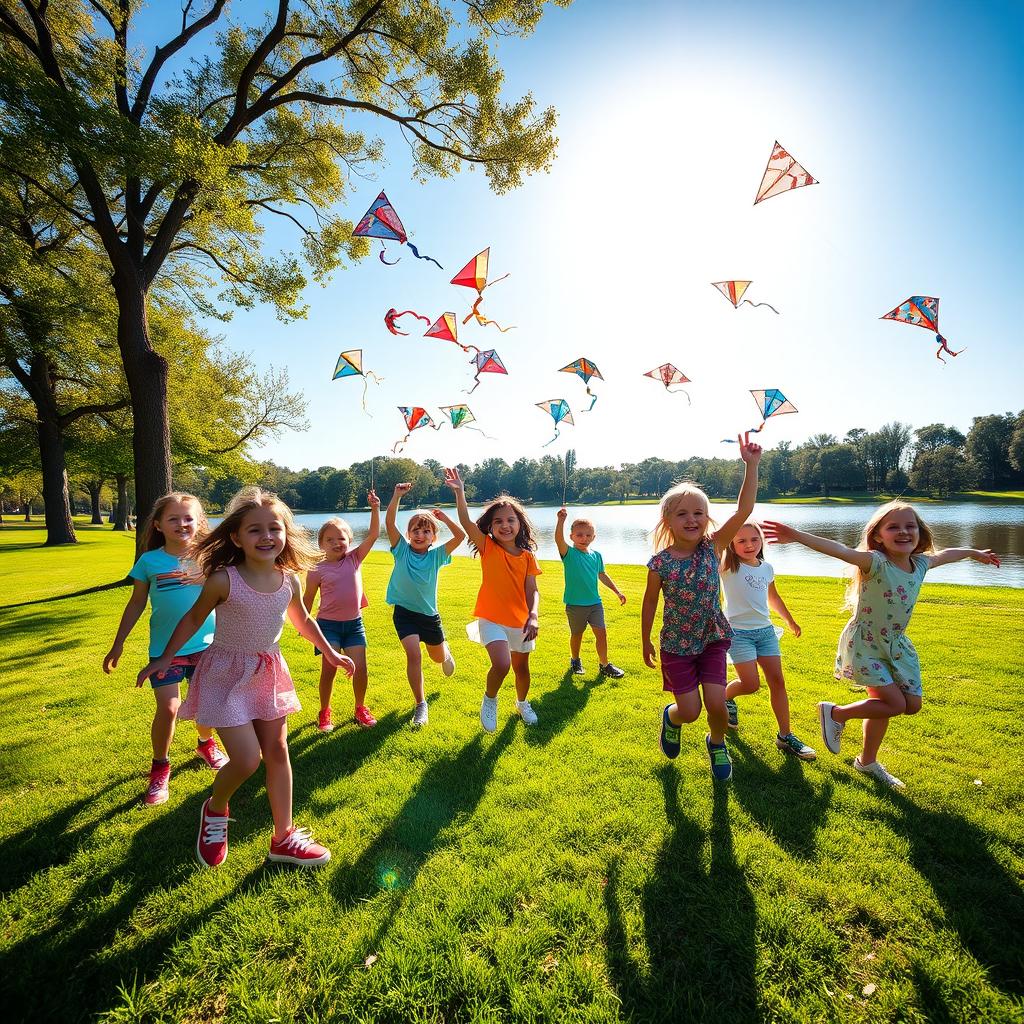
(158,792)
(324,723)
(211,754)
(364,718)
(297,847)
(212,843)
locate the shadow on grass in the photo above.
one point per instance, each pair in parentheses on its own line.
(559,707)
(99,588)
(698,929)
(782,800)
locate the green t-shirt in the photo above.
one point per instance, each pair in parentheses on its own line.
(170,599)
(581,571)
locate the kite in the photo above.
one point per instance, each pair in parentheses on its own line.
(382,221)
(733,291)
(474,275)
(415,417)
(669,375)
(487,361)
(770,402)
(782,174)
(392,315)
(922,311)
(461,416)
(558,409)
(350,364)
(586,369)
(446,329)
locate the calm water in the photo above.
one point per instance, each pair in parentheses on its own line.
(622,535)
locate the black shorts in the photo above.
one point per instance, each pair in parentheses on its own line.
(426,627)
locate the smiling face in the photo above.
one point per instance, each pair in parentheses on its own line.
(505,525)
(178,523)
(747,544)
(261,535)
(898,534)
(421,533)
(687,520)
(334,542)
(582,535)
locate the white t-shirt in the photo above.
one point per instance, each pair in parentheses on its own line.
(746,596)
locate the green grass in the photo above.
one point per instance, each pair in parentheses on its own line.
(563,873)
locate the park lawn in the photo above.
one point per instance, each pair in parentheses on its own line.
(567,872)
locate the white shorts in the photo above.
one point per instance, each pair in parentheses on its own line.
(483,631)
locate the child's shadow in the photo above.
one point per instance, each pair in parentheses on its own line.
(784,802)
(557,708)
(698,928)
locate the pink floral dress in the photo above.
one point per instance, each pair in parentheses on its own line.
(242,676)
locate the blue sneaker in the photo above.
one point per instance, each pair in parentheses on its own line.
(721,764)
(669,740)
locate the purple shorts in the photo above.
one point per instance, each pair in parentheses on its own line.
(682,673)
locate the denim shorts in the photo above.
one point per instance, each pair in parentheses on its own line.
(751,644)
(342,633)
(180,670)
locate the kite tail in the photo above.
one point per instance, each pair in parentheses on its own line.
(399,445)
(496,280)
(416,253)
(479,431)
(752,430)
(557,434)
(475,311)
(678,391)
(755,304)
(593,399)
(370,373)
(475,386)
(392,315)
(366,384)
(380,256)
(483,321)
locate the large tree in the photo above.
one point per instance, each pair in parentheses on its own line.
(264,121)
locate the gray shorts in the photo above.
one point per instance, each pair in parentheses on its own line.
(582,615)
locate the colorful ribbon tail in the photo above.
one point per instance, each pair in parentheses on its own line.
(475,311)
(557,434)
(483,321)
(380,256)
(756,304)
(399,445)
(416,253)
(593,399)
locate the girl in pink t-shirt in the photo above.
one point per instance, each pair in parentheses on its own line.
(340,583)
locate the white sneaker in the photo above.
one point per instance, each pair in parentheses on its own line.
(877,771)
(526,713)
(448,665)
(489,714)
(831,730)
(419,716)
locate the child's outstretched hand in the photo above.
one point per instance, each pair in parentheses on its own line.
(561,514)
(347,665)
(531,629)
(750,451)
(372,500)
(112,658)
(987,557)
(778,533)
(156,665)
(453,480)
(794,628)
(650,654)
(402,489)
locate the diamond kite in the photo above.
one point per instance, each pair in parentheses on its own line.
(585,369)
(474,275)
(350,364)
(922,311)
(734,290)
(558,409)
(770,402)
(415,417)
(782,174)
(381,221)
(392,315)
(461,416)
(669,375)
(487,361)
(446,329)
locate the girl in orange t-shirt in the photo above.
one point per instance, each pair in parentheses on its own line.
(506,607)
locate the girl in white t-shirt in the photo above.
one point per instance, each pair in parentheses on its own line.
(748,582)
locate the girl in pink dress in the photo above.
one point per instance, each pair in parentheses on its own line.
(241,685)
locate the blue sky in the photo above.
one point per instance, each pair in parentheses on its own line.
(907,113)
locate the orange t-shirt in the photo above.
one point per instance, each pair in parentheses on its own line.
(502,597)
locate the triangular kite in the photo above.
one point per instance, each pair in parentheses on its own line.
(381,221)
(782,174)
(474,275)
(734,291)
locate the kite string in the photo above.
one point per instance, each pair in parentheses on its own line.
(755,304)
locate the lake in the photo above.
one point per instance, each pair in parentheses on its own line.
(622,534)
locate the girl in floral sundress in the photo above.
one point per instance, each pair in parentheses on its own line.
(894,554)
(695,635)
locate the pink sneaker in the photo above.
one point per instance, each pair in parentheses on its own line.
(364,718)
(324,723)
(297,847)
(211,754)
(158,792)
(212,843)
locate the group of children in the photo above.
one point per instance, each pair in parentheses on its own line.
(220,597)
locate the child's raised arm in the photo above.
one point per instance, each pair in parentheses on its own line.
(458,534)
(454,481)
(949,555)
(647,612)
(560,543)
(778,606)
(373,530)
(779,533)
(750,453)
(132,612)
(389,520)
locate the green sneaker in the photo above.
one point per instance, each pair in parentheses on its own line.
(669,740)
(790,744)
(734,714)
(721,763)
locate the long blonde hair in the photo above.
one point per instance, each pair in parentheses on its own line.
(662,536)
(868,542)
(218,550)
(153,538)
(731,560)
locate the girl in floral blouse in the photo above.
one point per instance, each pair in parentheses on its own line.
(695,635)
(874,650)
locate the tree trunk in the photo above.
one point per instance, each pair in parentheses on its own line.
(146,373)
(60,528)
(95,487)
(28,510)
(121,510)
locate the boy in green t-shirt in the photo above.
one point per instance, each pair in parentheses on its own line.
(583,568)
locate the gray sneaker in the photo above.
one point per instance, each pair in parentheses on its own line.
(419,716)
(448,665)
(734,714)
(612,671)
(576,666)
(489,713)
(831,730)
(790,744)
(877,771)
(526,713)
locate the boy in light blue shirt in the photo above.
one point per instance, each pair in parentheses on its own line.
(583,607)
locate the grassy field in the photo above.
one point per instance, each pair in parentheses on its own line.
(562,873)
